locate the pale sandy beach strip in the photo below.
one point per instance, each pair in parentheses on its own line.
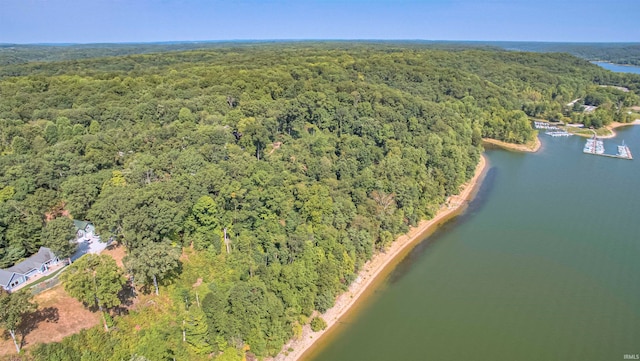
(379,266)
(610,128)
(531,147)
(615,125)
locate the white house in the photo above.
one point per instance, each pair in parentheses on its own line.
(88,240)
(85,231)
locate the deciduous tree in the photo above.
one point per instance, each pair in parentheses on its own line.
(152,261)
(59,235)
(13,308)
(95,280)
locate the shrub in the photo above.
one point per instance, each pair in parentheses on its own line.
(318,324)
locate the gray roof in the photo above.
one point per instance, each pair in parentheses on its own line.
(5,277)
(44,255)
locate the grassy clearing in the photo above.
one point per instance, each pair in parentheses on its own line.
(602,132)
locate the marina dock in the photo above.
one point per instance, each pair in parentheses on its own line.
(561,133)
(544,125)
(596,147)
(614,156)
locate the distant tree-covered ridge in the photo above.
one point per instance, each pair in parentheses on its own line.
(620,53)
(250,184)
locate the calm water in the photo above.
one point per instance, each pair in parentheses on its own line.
(619,68)
(545,265)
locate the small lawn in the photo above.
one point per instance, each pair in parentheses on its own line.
(47,277)
(601,132)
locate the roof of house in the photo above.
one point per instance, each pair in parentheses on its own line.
(81,224)
(35,261)
(44,254)
(5,277)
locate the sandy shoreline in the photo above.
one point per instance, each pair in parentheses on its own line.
(610,128)
(375,268)
(530,147)
(615,125)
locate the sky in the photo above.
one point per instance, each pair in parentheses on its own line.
(112,21)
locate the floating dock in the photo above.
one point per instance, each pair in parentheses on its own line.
(615,156)
(544,125)
(596,147)
(561,133)
(624,152)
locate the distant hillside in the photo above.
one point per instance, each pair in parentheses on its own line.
(20,54)
(620,53)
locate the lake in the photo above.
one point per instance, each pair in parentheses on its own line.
(544,265)
(618,68)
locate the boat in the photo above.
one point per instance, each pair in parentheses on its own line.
(593,146)
(559,134)
(623,151)
(599,147)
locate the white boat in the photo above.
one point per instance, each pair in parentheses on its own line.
(593,146)
(559,134)
(623,151)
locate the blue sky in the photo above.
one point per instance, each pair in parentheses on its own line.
(90,21)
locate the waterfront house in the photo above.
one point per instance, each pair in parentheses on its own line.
(39,263)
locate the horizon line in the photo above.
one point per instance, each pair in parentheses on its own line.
(284,40)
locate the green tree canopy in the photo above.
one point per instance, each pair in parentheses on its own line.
(298,161)
(95,280)
(153,261)
(59,234)
(13,307)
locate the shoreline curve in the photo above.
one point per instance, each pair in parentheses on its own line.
(616,125)
(611,128)
(530,147)
(377,268)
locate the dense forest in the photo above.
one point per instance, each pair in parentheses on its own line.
(24,53)
(249,184)
(619,53)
